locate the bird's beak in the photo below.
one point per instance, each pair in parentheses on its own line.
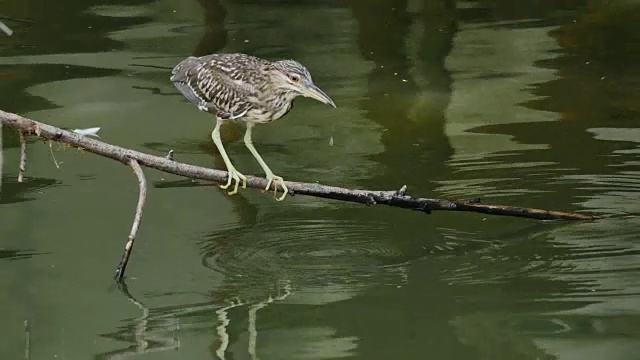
(314,92)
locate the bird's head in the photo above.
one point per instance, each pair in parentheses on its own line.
(293,77)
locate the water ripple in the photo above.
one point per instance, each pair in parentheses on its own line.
(320,253)
(313,249)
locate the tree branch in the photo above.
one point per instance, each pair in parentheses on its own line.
(368,197)
(27,340)
(142,196)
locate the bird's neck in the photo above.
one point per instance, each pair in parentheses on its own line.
(280,99)
(278,103)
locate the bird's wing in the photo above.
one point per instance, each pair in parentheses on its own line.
(215,86)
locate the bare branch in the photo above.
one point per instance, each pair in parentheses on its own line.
(369,197)
(142,196)
(142,184)
(23,156)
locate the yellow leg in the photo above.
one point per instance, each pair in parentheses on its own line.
(271,178)
(233,173)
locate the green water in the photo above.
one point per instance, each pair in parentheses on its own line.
(524,103)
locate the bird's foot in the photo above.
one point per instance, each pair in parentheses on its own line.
(237,176)
(275,180)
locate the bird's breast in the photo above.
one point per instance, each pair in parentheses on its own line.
(265,115)
(282,111)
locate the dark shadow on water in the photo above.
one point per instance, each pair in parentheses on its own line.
(14,192)
(15,254)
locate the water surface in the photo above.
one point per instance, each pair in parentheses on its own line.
(525,104)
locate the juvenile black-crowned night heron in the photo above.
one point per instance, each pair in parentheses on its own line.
(240,87)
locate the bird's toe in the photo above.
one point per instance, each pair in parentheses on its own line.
(225,186)
(235,176)
(277,181)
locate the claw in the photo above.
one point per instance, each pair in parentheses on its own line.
(235,175)
(228,182)
(269,181)
(275,179)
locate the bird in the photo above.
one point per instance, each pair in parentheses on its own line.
(244,88)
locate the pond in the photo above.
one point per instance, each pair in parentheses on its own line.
(531,104)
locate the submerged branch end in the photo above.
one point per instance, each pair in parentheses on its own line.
(23,156)
(27,340)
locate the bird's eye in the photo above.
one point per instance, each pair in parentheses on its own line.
(294,78)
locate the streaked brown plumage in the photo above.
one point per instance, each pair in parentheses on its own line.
(240,87)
